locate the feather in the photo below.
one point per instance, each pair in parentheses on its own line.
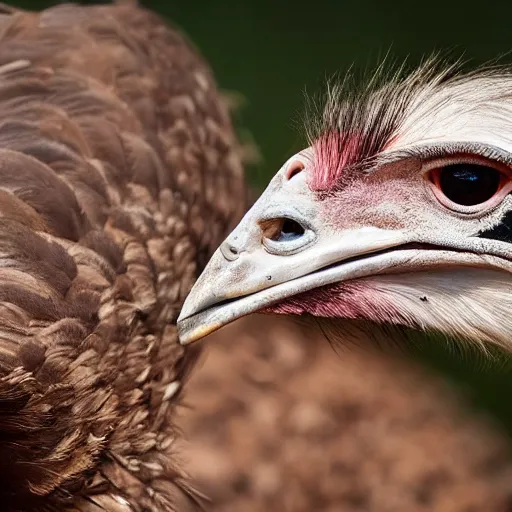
(118,168)
(354,126)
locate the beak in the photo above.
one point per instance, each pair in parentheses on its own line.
(283,246)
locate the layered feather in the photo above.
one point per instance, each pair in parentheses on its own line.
(118,168)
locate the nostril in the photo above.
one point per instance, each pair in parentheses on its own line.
(230,252)
(282,229)
(290,230)
(294,168)
(285,235)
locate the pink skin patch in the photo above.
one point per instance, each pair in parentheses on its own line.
(334,151)
(342,300)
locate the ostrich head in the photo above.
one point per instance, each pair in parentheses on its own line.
(399,212)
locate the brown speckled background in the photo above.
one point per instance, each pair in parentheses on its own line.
(280,422)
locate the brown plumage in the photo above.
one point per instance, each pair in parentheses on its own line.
(118,166)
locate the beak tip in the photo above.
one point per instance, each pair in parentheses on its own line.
(184,332)
(191,330)
(184,325)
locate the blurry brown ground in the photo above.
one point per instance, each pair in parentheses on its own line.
(282,423)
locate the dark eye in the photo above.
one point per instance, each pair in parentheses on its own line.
(468,184)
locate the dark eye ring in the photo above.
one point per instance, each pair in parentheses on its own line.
(468,186)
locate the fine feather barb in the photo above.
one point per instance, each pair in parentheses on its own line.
(356,121)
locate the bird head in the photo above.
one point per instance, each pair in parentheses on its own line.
(398,212)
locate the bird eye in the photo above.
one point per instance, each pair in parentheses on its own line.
(467,184)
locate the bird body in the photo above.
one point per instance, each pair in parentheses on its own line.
(119,176)
(118,168)
(395,220)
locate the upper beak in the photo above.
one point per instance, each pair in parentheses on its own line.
(265,260)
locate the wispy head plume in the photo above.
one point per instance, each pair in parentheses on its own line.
(354,121)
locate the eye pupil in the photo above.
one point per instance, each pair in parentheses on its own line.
(469,184)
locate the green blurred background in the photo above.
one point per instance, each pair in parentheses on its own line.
(270,51)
